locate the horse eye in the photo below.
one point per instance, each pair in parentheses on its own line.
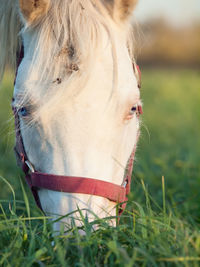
(23,112)
(133,110)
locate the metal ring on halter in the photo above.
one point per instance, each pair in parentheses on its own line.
(31,168)
(124,184)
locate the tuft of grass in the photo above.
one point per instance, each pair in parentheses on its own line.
(156,238)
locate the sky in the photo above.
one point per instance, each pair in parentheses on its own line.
(176,12)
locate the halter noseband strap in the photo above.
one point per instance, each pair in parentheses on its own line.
(71,184)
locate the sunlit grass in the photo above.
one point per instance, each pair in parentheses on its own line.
(152,237)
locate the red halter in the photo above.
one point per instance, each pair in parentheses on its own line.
(71,184)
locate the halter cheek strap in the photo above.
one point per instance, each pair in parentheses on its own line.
(71,184)
(22,159)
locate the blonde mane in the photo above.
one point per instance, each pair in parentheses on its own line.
(67,37)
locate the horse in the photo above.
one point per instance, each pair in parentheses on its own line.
(76,100)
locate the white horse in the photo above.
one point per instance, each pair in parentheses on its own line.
(75,92)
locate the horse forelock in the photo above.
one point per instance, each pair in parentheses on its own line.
(64,44)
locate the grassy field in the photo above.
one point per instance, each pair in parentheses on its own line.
(161,224)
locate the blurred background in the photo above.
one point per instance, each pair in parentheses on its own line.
(168,52)
(170,33)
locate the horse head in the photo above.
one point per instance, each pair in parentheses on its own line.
(76,97)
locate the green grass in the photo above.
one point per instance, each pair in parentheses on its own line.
(161,224)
